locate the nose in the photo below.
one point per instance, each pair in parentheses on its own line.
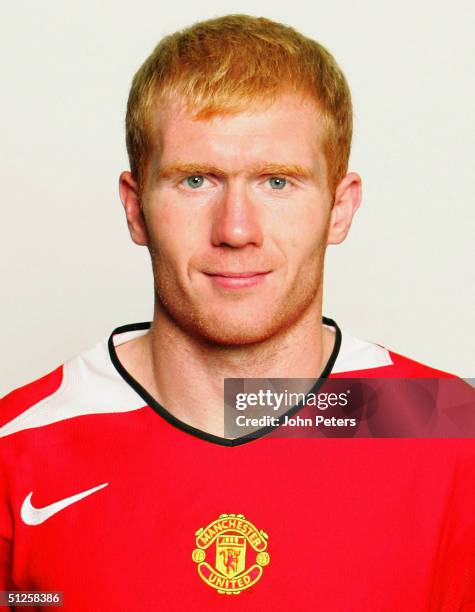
(236,219)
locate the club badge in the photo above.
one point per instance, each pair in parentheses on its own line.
(230,554)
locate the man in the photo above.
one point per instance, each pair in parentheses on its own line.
(120,487)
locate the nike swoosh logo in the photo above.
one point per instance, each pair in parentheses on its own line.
(35,516)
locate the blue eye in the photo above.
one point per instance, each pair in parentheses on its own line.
(277,182)
(194,181)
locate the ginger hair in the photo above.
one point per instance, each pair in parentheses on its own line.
(232,63)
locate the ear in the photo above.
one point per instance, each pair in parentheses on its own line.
(347,201)
(130,198)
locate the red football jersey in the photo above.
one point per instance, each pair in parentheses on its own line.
(107,498)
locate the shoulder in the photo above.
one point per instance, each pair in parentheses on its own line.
(405,366)
(403,397)
(87,384)
(30,394)
(369,359)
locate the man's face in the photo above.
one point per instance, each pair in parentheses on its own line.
(237,210)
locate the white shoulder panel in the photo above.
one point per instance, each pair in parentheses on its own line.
(357,354)
(90,385)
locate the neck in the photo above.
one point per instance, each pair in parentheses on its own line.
(196,395)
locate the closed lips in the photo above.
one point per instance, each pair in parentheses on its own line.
(235,274)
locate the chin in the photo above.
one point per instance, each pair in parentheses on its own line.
(236,324)
(236,335)
(231,331)
(234,328)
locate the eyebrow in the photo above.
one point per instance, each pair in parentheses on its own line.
(260,168)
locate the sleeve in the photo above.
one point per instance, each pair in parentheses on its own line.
(454,576)
(6,529)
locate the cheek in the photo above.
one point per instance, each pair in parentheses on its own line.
(302,234)
(173,234)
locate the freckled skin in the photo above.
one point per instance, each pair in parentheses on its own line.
(238,222)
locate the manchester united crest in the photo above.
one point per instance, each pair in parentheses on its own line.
(230,554)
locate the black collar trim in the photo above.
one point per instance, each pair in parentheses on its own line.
(163,412)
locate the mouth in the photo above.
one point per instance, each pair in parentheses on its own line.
(237,280)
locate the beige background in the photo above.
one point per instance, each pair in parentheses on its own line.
(69,270)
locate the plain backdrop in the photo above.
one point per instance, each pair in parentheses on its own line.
(69,270)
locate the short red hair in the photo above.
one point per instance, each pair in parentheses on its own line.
(228,64)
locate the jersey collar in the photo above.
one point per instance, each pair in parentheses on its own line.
(165,414)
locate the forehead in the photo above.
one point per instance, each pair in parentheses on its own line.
(288,131)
